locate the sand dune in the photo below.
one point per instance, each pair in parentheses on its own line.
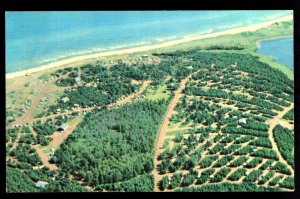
(145,48)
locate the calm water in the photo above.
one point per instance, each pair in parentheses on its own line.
(281,49)
(36,38)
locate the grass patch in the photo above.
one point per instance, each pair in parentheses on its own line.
(159,92)
(44,76)
(172,125)
(185,131)
(166,143)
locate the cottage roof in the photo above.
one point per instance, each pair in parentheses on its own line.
(63,127)
(65,99)
(41,184)
(243,120)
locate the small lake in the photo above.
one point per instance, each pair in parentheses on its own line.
(282,49)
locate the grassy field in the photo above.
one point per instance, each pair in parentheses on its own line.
(172,124)
(44,77)
(157,93)
(177,132)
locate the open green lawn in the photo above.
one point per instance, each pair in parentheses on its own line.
(45,76)
(159,92)
(185,131)
(172,124)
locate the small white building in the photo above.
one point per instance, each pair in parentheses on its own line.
(77,79)
(65,99)
(62,127)
(243,120)
(190,67)
(41,184)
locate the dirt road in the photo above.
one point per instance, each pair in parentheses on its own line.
(27,117)
(163,130)
(272,124)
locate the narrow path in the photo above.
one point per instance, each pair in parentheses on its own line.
(42,154)
(163,130)
(129,98)
(272,124)
(44,158)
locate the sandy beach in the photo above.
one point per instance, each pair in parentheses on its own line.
(145,48)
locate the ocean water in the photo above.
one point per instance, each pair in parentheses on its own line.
(37,38)
(282,49)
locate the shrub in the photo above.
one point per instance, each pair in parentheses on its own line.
(254,162)
(253,176)
(207,161)
(205,175)
(163,183)
(281,168)
(223,161)
(237,174)
(220,175)
(266,177)
(288,182)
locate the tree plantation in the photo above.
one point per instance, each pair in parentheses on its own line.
(208,119)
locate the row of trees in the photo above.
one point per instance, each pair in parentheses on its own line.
(266,177)
(235,176)
(269,96)
(261,142)
(142,183)
(253,176)
(244,131)
(284,139)
(230,187)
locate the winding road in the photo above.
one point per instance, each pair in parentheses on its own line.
(273,124)
(163,130)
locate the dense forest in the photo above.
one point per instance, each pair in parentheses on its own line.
(112,145)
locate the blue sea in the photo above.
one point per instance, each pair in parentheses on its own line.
(282,49)
(37,38)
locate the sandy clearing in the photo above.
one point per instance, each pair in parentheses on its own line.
(59,137)
(28,117)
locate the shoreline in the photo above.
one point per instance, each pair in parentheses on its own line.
(81,58)
(258,41)
(258,45)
